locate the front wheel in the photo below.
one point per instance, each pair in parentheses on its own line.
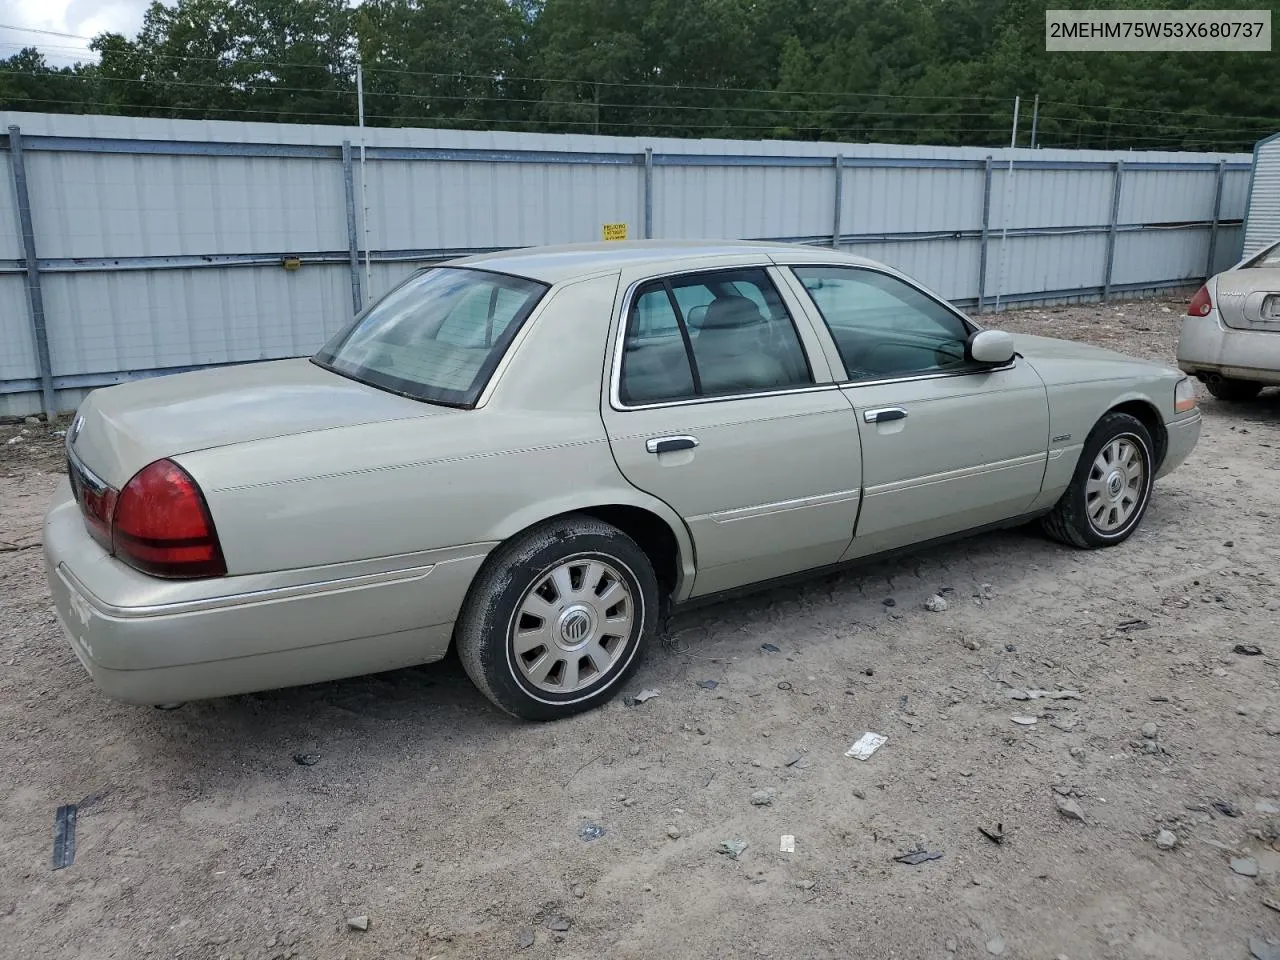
(1233,391)
(558,618)
(1111,487)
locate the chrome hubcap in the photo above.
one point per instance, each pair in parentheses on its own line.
(1116,485)
(572,625)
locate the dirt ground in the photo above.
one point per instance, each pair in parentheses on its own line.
(456,832)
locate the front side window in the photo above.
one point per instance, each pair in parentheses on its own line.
(436,337)
(709,334)
(883,326)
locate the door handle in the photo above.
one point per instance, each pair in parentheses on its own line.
(884,415)
(670,444)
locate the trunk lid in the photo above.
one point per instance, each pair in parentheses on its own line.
(1249,298)
(119,430)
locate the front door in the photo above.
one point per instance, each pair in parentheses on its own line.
(722,405)
(947,444)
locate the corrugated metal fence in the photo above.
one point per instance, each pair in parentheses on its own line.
(130,247)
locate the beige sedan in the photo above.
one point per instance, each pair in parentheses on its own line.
(535,455)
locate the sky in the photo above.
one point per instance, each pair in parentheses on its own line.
(84,18)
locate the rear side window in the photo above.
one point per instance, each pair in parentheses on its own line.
(436,337)
(709,334)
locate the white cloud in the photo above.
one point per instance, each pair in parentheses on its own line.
(80,18)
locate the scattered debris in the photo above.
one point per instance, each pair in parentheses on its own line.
(1019,694)
(890,602)
(867,744)
(996,836)
(768,648)
(787,844)
(590,831)
(936,604)
(1226,808)
(673,832)
(558,924)
(64,836)
(1262,950)
(732,849)
(1077,752)
(1245,866)
(1127,626)
(762,798)
(642,697)
(1150,730)
(708,684)
(358,923)
(1010,648)
(306,759)
(1166,839)
(526,938)
(914,858)
(1068,807)
(971,644)
(1272,905)
(1023,720)
(1247,649)
(578,890)
(784,685)
(795,757)
(995,946)
(1266,806)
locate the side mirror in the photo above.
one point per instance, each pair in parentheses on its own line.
(989,346)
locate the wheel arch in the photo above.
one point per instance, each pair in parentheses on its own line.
(1142,409)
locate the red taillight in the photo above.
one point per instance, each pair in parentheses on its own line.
(1201,303)
(161,525)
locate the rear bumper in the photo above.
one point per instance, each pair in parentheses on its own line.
(148,641)
(1181,436)
(1207,347)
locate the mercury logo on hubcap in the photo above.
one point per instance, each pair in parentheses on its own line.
(575,626)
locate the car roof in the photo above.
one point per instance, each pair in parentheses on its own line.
(571,261)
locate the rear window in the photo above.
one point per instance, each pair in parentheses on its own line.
(1269,258)
(436,337)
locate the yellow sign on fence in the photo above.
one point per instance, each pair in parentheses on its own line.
(613,231)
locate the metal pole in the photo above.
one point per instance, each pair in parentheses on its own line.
(1217,215)
(648,193)
(353,238)
(835,220)
(986,230)
(364,203)
(35,298)
(1013,137)
(1035,119)
(1111,229)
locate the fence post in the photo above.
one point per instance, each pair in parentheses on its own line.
(648,193)
(835,220)
(1111,230)
(353,234)
(986,232)
(35,298)
(1217,215)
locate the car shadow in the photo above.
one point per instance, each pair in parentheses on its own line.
(1264,409)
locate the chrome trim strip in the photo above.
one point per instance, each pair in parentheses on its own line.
(269,595)
(855,384)
(897,486)
(780,506)
(85,473)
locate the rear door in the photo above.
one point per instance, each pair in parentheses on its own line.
(947,444)
(722,404)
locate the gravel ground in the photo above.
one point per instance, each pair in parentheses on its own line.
(457,832)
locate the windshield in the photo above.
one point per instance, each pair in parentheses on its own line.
(437,336)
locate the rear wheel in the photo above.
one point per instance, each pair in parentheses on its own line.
(558,618)
(1233,391)
(1111,487)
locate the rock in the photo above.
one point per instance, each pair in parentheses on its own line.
(1150,746)
(1150,730)
(558,924)
(1023,721)
(673,833)
(1261,950)
(526,938)
(762,798)
(1242,711)
(952,946)
(936,604)
(578,891)
(31,421)
(1266,806)
(1247,649)
(1077,752)
(1272,729)
(972,644)
(1227,808)
(1219,672)
(634,750)
(1068,807)
(995,946)
(732,849)
(1245,866)
(708,684)
(806,885)
(590,831)
(1166,839)
(890,602)
(358,923)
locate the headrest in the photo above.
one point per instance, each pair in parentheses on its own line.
(726,313)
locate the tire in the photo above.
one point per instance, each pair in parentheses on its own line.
(581,652)
(1090,514)
(1233,391)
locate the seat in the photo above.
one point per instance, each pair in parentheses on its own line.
(730,350)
